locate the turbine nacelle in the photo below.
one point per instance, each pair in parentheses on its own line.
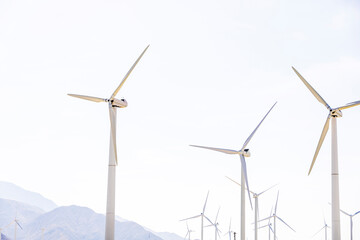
(336,113)
(246,153)
(119,103)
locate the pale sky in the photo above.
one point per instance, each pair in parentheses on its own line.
(212,71)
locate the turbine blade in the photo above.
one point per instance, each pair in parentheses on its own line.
(243,164)
(227,151)
(265,219)
(318,231)
(208,219)
(349,105)
(285,223)
(217,215)
(252,134)
(191,218)
(205,202)
(112,113)
(267,189)
(89,98)
(312,90)
(238,184)
(321,140)
(128,73)
(356,213)
(18,224)
(345,213)
(277,198)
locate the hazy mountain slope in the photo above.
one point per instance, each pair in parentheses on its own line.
(13,192)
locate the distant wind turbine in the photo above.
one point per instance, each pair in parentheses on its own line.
(275,216)
(256,197)
(202,216)
(334,113)
(243,152)
(215,225)
(189,231)
(229,232)
(351,221)
(324,227)
(113,161)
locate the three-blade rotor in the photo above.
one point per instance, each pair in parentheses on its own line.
(334,112)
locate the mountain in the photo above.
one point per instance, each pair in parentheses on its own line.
(64,223)
(13,192)
(80,223)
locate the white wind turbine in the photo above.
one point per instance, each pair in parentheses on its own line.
(351,221)
(275,216)
(334,113)
(269,226)
(189,231)
(230,231)
(215,225)
(243,152)
(202,216)
(113,161)
(324,227)
(256,197)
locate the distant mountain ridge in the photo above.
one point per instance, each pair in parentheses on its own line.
(13,192)
(65,223)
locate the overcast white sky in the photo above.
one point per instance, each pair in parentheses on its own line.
(212,71)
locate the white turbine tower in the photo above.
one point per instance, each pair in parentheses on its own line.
(275,216)
(202,216)
(334,113)
(113,161)
(256,197)
(243,152)
(324,227)
(351,221)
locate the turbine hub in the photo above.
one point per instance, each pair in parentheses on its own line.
(246,153)
(335,113)
(120,103)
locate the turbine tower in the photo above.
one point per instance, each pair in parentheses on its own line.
(256,197)
(113,161)
(334,113)
(202,215)
(243,152)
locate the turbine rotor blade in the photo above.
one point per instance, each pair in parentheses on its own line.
(356,213)
(208,219)
(191,218)
(243,164)
(312,90)
(277,198)
(252,134)
(265,219)
(227,151)
(238,184)
(128,73)
(285,223)
(205,202)
(321,140)
(318,231)
(217,215)
(18,224)
(345,213)
(349,105)
(89,98)
(267,189)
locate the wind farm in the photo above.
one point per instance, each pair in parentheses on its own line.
(211,73)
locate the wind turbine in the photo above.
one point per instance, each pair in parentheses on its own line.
(189,231)
(351,221)
(113,161)
(269,226)
(274,216)
(215,225)
(230,231)
(243,152)
(334,113)
(324,227)
(202,215)
(256,197)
